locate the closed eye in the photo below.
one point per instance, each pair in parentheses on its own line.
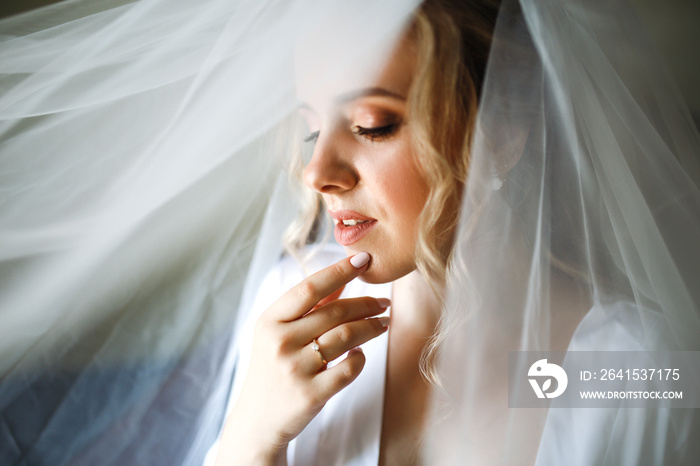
(378,133)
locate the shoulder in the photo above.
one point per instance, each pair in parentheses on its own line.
(621,326)
(616,435)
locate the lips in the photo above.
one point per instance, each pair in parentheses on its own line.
(351,226)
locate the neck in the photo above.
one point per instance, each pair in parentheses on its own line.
(415,311)
(415,308)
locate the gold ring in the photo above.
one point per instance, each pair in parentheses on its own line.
(316,347)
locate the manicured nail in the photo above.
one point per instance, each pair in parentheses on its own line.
(360,259)
(384,321)
(384,302)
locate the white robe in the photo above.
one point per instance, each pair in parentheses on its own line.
(347,431)
(348,428)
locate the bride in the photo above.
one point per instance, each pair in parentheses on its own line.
(499,179)
(390,160)
(393,208)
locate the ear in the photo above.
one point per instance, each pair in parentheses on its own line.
(509,152)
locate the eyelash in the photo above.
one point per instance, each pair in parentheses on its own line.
(373,134)
(376,134)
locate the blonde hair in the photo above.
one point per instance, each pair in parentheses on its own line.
(452,46)
(453,41)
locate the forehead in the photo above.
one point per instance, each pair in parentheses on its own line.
(385,73)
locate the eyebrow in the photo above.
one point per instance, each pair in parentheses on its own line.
(367,92)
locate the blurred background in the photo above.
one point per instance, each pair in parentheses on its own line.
(673,24)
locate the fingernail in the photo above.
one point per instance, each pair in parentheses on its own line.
(384,302)
(360,259)
(384,321)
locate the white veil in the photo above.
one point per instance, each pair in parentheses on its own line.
(141,144)
(578,232)
(142,172)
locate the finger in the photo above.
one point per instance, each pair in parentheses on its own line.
(331,297)
(343,338)
(329,316)
(303,297)
(339,341)
(331,381)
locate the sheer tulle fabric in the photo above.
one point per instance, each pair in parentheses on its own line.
(144,195)
(141,144)
(599,213)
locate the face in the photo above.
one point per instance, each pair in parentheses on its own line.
(363,165)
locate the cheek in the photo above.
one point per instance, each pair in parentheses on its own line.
(408,190)
(402,192)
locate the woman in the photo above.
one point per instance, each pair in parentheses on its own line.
(391,179)
(574,231)
(372,166)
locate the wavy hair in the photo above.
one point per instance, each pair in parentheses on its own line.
(452,41)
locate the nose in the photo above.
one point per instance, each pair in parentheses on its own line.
(329,172)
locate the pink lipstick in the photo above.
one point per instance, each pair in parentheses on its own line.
(351,226)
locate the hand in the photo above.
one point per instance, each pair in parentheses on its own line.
(288,383)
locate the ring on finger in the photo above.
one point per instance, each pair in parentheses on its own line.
(317,348)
